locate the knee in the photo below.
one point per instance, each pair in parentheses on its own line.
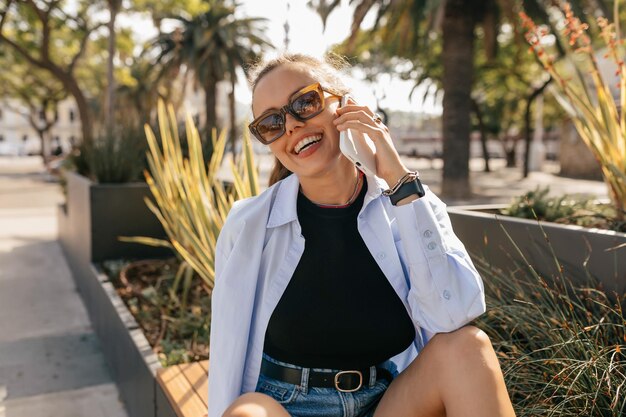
(464,341)
(250,404)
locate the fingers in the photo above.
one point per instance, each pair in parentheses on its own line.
(362,114)
(374,131)
(354,107)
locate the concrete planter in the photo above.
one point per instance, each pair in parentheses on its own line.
(97,214)
(89,225)
(481,230)
(132,362)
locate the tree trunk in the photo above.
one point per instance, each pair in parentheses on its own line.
(41,132)
(44,148)
(84,112)
(233,116)
(510,155)
(529,101)
(483,133)
(210,102)
(110,68)
(458,69)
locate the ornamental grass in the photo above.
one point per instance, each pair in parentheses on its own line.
(561,347)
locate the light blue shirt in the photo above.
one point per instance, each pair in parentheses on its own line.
(261,244)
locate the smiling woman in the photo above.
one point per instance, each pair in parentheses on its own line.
(327,288)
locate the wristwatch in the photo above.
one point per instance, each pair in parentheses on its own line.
(408,189)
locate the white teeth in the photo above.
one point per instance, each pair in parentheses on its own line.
(306,141)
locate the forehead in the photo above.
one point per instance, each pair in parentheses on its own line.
(275,88)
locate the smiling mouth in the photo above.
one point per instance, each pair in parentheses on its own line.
(306,142)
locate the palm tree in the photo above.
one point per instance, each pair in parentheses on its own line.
(114,8)
(213,45)
(410,28)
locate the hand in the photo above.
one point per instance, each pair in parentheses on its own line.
(361,119)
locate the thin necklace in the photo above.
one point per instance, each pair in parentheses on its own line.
(350,200)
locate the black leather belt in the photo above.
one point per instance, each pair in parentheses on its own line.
(344,381)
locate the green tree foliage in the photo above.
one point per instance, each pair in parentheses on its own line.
(503,88)
(428,32)
(36,91)
(53,37)
(213,45)
(164,9)
(140,85)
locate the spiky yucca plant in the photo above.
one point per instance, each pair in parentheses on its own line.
(585,94)
(190,201)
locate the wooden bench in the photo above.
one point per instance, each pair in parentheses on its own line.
(186,388)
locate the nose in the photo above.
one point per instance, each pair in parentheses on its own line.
(291,124)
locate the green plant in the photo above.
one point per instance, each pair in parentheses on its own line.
(561,347)
(566,209)
(190,200)
(586,95)
(116,158)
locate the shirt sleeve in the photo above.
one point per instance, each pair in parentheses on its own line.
(228,336)
(446,292)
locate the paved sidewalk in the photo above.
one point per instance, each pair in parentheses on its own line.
(51,364)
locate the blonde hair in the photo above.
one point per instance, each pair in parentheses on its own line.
(327,71)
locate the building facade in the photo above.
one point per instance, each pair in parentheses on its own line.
(18,137)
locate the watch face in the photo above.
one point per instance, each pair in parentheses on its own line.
(420,188)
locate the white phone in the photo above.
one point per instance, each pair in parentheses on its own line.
(358,148)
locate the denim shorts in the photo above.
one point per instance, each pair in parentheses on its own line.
(303,401)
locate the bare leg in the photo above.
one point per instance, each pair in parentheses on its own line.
(254,404)
(456,374)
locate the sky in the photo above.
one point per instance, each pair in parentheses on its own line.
(306,35)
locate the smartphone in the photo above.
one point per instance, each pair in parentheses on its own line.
(358,148)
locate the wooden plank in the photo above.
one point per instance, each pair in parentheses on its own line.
(205,365)
(198,378)
(181,393)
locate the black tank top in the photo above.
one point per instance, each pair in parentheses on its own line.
(339,311)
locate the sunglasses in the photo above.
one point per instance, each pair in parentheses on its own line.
(303,105)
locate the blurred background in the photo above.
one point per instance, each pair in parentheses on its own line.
(76,72)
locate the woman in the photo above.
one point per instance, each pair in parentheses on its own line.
(327,288)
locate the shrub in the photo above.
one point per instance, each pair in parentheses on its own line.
(566,209)
(118,158)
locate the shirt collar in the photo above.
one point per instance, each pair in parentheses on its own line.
(284,209)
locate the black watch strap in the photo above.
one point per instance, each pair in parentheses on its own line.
(408,189)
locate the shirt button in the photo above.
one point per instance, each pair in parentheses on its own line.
(381,255)
(428,233)
(432,245)
(446,294)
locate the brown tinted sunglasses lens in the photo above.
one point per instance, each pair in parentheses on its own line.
(271,127)
(307,105)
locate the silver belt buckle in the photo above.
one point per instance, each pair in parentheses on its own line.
(338,375)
